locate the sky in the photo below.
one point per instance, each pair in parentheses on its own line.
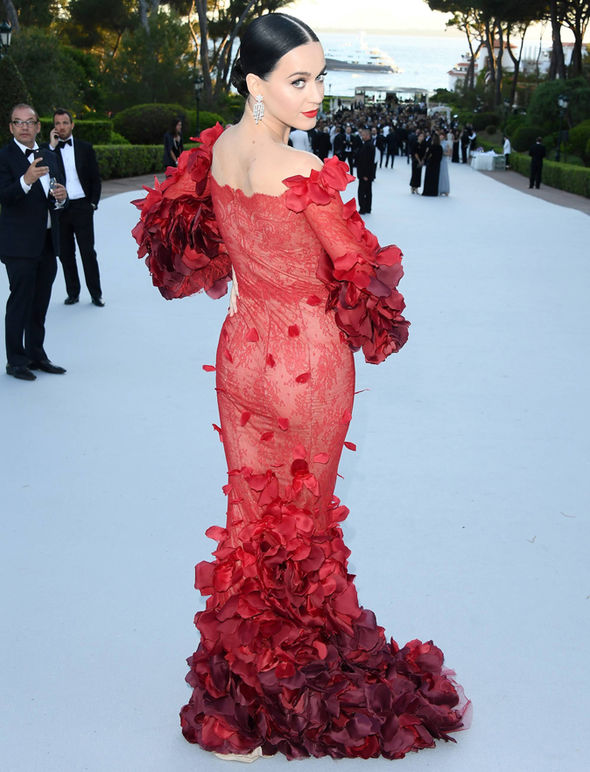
(399,16)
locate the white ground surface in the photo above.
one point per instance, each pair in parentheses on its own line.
(469,493)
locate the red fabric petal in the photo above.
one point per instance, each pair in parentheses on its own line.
(283,424)
(178,231)
(266,436)
(252,335)
(293,331)
(244,418)
(303,378)
(321,458)
(209,368)
(270,360)
(350,445)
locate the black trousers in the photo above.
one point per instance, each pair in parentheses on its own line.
(77,220)
(536,171)
(365,196)
(30,281)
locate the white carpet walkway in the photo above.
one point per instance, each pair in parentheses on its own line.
(469,493)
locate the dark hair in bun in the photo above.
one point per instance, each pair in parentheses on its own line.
(264,42)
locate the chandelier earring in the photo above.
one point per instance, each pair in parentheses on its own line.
(258,109)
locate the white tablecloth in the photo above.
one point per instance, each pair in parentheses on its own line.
(483,161)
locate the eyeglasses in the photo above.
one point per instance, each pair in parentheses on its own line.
(30,122)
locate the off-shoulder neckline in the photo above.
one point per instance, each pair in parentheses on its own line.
(239,191)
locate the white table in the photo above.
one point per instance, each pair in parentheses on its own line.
(487,161)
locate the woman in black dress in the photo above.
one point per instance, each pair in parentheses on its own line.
(432,162)
(417,163)
(173,146)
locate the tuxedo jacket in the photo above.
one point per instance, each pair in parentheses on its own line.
(537,153)
(23,216)
(87,168)
(365,161)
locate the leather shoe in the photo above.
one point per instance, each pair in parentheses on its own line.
(21,372)
(69,301)
(47,367)
(98,302)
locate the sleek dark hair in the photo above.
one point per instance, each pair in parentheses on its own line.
(264,42)
(173,123)
(63,111)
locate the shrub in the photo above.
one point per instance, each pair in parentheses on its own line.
(128,160)
(206,120)
(587,151)
(491,129)
(118,139)
(525,136)
(146,124)
(513,123)
(544,109)
(573,179)
(96,132)
(481,120)
(13,91)
(578,139)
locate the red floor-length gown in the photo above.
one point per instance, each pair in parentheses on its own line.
(288,660)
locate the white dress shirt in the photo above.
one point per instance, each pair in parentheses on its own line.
(73,185)
(44,179)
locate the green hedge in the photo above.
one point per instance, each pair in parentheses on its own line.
(115,161)
(147,124)
(572,179)
(96,132)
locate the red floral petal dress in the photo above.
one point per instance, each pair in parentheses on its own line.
(288,660)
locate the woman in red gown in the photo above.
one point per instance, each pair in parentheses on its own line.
(288,661)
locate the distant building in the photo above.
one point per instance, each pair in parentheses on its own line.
(531,60)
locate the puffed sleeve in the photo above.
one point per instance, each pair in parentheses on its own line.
(360,275)
(178,231)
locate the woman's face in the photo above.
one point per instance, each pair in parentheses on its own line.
(179,127)
(294,90)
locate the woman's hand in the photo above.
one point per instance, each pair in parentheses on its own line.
(233,295)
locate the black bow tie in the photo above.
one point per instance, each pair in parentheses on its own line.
(63,143)
(29,151)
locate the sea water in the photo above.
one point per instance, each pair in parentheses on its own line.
(423,62)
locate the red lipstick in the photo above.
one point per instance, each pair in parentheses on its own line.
(311,113)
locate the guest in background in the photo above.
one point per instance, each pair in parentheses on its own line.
(444,181)
(381,147)
(77,162)
(392,148)
(320,141)
(472,141)
(432,161)
(173,146)
(351,145)
(299,139)
(456,146)
(29,241)
(537,153)
(464,144)
(507,149)
(417,163)
(365,172)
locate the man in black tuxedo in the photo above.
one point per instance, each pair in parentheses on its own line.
(77,161)
(29,240)
(365,165)
(537,153)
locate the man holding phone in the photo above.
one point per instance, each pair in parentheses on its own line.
(77,162)
(29,242)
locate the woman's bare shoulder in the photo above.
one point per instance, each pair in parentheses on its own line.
(300,162)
